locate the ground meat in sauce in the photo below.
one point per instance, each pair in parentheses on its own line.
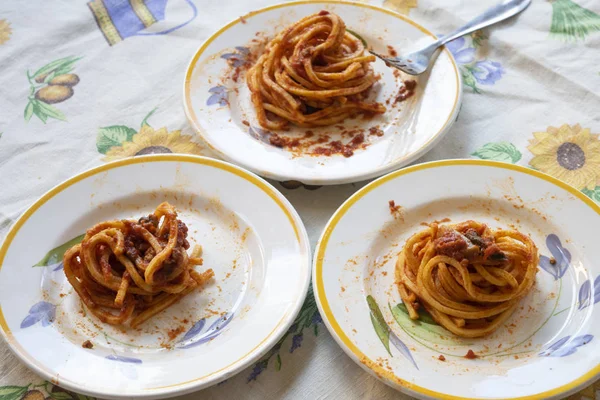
(375,131)
(442,358)
(470,355)
(467,245)
(337,147)
(150,223)
(182,231)
(451,244)
(493,253)
(136,247)
(87,345)
(406,91)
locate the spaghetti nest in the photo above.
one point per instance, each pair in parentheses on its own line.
(138,268)
(467,277)
(313,73)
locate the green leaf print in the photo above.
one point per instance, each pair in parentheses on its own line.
(61,396)
(364,42)
(478,37)
(56,254)
(145,120)
(571,21)
(49,111)
(379,323)
(593,194)
(110,136)
(424,316)
(82,397)
(60,64)
(469,79)
(12,392)
(37,111)
(42,94)
(499,151)
(67,67)
(29,110)
(424,329)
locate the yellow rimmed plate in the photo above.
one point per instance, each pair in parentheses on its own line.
(548,349)
(217,100)
(251,236)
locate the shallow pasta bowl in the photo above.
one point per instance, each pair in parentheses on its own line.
(251,237)
(547,349)
(218,105)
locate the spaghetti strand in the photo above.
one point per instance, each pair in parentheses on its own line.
(467,277)
(138,268)
(313,73)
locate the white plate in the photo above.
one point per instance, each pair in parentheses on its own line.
(251,236)
(548,349)
(217,106)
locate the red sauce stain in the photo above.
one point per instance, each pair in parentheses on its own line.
(173,333)
(470,355)
(395,210)
(375,131)
(391,51)
(406,91)
(337,147)
(442,358)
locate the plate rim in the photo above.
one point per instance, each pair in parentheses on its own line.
(348,345)
(398,163)
(189,386)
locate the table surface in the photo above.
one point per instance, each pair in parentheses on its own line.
(531,97)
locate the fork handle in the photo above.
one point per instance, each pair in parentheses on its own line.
(499,12)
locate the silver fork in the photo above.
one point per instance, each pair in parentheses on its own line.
(416,63)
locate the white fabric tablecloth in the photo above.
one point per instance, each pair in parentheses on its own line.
(531,89)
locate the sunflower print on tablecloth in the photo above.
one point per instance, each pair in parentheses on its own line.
(150,141)
(5,31)
(569,153)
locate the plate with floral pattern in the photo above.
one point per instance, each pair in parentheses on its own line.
(218,105)
(251,237)
(547,349)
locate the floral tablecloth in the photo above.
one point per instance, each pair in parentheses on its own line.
(83,83)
